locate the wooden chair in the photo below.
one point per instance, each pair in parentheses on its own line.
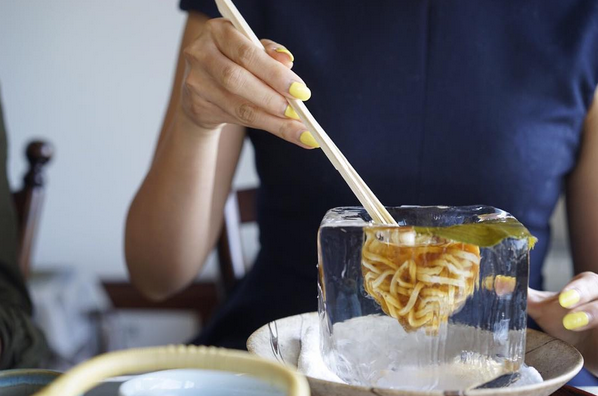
(28,201)
(202,297)
(240,208)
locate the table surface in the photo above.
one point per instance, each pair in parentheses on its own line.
(110,388)
(571,391)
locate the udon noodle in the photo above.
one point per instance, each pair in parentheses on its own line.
(418,279)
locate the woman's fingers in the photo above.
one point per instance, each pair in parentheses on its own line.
(582,318)
(537,301)
(239,83)
(582,289)
(230,108)
(247,114)
(229,79)
(243,52)
(581,297)
(279,52)
(235,79)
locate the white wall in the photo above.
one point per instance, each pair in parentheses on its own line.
(92,77)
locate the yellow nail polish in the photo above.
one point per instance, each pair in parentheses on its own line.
(300,91)
(290,112)
(285,51)
(569,298)
(308,139)
(576,320)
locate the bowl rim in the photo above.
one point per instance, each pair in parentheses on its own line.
(27,376)
(123,389)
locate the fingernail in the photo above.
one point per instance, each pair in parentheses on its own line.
(488,282)
(569,298)
(308,139)
(300,91)
(285,51)
(291,113)
(576,320)
(504,285)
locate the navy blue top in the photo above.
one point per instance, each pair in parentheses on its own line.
(433,102)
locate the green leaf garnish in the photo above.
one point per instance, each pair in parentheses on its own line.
(483,234)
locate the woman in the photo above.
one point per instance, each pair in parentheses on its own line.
(433,102)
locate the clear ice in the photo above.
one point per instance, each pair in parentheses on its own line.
(481,340)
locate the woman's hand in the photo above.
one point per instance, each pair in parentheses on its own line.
(228,79)
(571,315)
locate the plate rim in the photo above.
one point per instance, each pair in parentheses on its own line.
(563,378)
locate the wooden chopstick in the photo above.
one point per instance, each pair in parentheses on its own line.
(372,205)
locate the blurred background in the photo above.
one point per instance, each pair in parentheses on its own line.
(93,78)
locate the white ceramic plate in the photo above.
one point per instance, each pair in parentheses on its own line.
(556,361)
(191,382)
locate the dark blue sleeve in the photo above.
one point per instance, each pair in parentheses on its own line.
(207,7)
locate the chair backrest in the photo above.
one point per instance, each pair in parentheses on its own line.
(28,201)
(240,208)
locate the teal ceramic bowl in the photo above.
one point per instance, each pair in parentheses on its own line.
(24,382)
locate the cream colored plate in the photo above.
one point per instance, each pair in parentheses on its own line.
(556,361)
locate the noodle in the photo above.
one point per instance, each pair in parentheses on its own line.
(418,280)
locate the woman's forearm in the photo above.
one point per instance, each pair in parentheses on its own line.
(168,223)
(221,78)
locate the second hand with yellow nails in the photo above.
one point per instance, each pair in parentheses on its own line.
(573,320)
(317,135)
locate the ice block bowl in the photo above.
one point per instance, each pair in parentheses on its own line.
(435,303)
